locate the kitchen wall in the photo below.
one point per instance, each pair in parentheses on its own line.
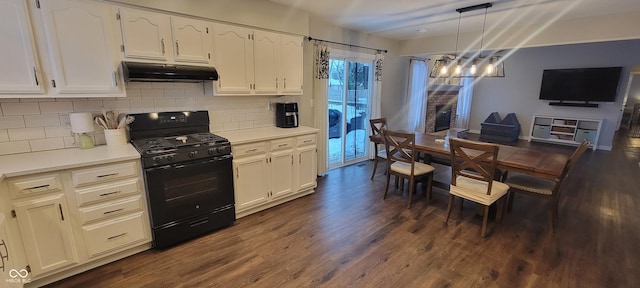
(28,125)
(518,92)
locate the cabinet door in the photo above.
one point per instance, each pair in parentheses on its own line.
(6,254)
(191,40)
(307,167)
(81,47)
(145,35)
(251,181)
(266,58)
(19,69)
(233,58)
(291,65)
(45,228)
(282,173)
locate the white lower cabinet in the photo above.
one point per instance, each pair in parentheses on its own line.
(282,168)
(46,231)
(307,168)
(115,233)
(100,197)
(268,173)
(251,182)
(68,219)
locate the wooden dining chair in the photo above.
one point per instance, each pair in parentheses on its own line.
(543,188)
(381,154)
(401,161)
(473,168)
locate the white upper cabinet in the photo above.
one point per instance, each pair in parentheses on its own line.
(20,70)
(266,62)
(145,35)
(291,65)
(81,46)
(163,38)
(256,62)
(191,40)
(233,58)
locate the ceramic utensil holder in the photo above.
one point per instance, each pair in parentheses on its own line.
(115,137)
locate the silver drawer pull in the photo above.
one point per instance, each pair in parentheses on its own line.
(110,193)
(117,236)
(38,187)
(107,175)
(282,145)
(113,211)
(251,150)
(307,141)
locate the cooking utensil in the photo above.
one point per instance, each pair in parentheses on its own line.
(101,122)
(111,120)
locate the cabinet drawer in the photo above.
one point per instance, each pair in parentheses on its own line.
(104,173)
(113,234)
(110,209)
(307,140)
(582,134)
(281,144)
(249,149)
(108,191)
(541,131)
(33,185)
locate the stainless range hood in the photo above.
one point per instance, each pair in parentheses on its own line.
(154,72)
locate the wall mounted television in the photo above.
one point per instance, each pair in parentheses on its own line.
(580,84)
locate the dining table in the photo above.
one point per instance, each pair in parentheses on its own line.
(543,164)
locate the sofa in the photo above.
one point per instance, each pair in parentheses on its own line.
(495,129)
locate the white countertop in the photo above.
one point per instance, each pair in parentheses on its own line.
(44,161)
(266,133)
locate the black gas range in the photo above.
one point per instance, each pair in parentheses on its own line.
(160,151)
(188,174)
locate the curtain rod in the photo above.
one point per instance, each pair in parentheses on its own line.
(350,45)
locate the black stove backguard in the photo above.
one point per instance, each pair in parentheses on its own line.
(163,124)
(188,175)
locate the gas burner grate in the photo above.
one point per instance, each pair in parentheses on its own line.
(208,137)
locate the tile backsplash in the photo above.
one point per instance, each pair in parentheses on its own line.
(37,124)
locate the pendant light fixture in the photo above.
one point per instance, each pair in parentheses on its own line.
(458,66)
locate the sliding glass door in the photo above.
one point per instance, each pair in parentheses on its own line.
(349,98)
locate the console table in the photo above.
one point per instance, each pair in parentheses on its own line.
(565,130)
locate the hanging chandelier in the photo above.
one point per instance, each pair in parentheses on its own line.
(458,66)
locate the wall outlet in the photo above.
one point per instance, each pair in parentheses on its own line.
(268,106)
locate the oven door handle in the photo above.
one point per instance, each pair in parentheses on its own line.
(222,158)
(165,167)
(180,166)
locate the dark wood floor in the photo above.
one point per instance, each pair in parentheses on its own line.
(345,235)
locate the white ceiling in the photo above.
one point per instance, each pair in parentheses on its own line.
(401,19)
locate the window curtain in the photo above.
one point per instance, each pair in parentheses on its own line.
(417,98)
(375,105)
(320,92)
(465,95)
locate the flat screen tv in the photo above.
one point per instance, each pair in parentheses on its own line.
(582,84)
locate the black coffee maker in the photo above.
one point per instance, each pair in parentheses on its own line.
(287,115)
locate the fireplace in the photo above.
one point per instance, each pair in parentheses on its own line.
(441,98)
(443,117)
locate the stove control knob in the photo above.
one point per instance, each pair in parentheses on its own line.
(157,159)
(193,154)
(212,151)
(170,158)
